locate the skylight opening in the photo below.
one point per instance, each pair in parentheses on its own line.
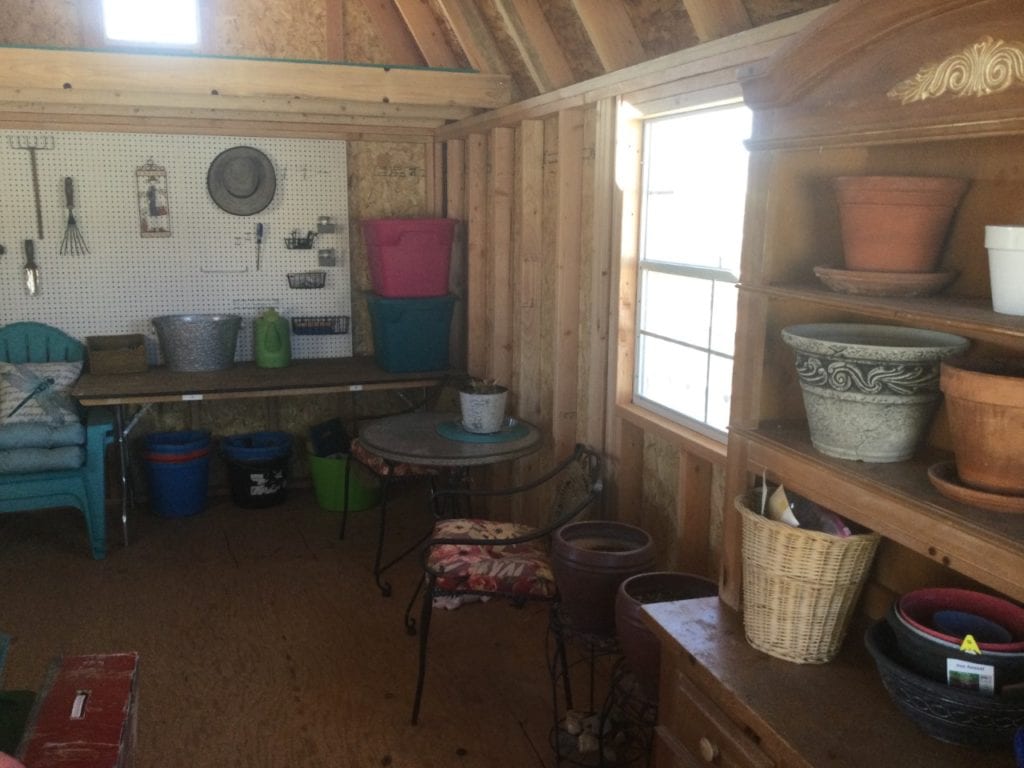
(152,22)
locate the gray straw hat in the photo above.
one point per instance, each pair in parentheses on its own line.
(241,181)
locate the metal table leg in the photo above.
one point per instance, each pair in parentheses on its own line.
(123,429)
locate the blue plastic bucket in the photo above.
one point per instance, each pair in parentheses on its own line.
(256,446)
(178,488)
(183,441)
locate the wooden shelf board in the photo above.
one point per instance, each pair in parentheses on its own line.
(898,501)
(970,317)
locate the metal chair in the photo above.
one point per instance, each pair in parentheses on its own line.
(471,558)
(68,473)
(388,472)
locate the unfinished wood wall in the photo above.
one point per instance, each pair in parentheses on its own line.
(544,252)
(548,190)
(537,197)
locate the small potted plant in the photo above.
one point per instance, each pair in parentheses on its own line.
(482,403)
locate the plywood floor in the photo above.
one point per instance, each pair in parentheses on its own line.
(264,642)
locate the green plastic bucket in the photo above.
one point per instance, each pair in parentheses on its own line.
(329,484)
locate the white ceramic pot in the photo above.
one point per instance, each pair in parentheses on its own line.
(1006,268)
(483,412)
(869,390)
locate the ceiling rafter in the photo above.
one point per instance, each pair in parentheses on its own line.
(399,45)
(426,31)
(334,30)
(471,31)
(542,55)
(713,19)
(611,32)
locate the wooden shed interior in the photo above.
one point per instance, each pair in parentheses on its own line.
(522,119)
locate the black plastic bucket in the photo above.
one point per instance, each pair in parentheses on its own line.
(256,484)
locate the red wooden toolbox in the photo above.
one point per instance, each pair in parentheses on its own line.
(85,714)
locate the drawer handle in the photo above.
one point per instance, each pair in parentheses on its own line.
(708,750)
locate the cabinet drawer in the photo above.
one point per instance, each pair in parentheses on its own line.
(668,753)
(702,729)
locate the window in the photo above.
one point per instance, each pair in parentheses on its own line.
(693,195)
(165,22)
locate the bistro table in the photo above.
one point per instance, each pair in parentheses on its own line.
(437,441)
(416,438)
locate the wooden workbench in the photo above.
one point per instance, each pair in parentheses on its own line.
(244,380)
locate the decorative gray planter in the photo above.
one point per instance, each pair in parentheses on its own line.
(869,390)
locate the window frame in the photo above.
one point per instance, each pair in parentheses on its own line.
(102,40)
(633,112)
(682,269)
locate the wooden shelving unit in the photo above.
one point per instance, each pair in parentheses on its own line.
(833,103)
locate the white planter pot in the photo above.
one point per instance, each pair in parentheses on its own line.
(483,412)
(1006,268)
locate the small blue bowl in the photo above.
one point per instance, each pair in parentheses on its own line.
(963,623)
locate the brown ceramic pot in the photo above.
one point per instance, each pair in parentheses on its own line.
(896,223)
(639,645)
(985,405)
(590,559)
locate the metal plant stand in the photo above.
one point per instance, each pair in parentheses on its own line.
(612,724)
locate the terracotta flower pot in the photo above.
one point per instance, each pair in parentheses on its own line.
(590,559)
(896,223)
(985,404)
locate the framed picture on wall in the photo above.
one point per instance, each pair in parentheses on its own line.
(154,206)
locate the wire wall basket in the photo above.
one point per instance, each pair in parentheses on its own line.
(323,325)
(314,279)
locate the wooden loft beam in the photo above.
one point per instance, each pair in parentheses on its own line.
(395,37)
(713,19)
(536,43)
(611,31)
(697,61)
(106,102)
(174,79)
(264,114)
(473,35)
(33,121)
(422,24)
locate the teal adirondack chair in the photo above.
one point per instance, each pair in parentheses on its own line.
(42,486)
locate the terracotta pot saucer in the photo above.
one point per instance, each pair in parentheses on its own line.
(865,283)
(945,479)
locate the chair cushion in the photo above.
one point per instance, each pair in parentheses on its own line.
(41,435)
(30,460)
(382,467)
(519,570)
(38,392)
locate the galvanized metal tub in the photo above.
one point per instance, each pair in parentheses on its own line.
(197,342)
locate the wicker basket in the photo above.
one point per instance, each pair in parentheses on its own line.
(799,586)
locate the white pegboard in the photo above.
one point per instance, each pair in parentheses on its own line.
(208,264)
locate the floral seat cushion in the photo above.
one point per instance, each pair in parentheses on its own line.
(382,467)
(521,570)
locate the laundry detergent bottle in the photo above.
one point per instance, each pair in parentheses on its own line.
(272,340)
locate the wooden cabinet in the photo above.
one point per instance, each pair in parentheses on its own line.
(722,703)
(872,87)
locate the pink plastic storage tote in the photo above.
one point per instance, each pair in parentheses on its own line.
(409,258)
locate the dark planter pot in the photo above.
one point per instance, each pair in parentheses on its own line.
(639,645)
(590,560)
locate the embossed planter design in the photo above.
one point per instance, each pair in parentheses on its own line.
(869,390)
